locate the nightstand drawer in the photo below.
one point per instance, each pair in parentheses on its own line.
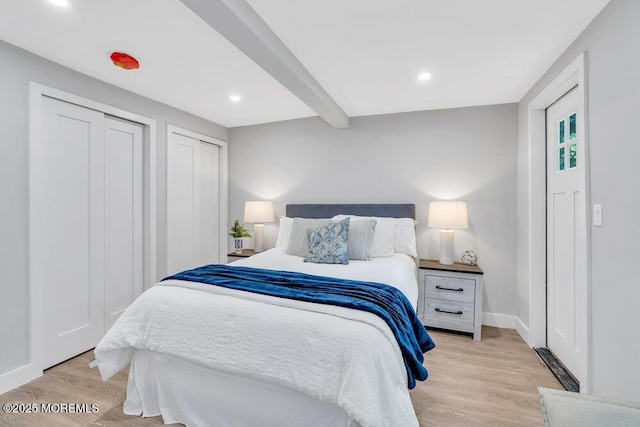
(449,315)
(450,288)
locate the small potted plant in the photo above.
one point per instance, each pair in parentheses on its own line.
(238,232)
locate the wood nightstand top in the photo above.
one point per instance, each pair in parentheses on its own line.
(246,253)
(458,266)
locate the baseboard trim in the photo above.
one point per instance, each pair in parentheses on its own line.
(523,331)
(17,377)
(499,320)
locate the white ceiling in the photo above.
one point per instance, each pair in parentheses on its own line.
(365,53)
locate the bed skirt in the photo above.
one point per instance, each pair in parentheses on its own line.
(185,392)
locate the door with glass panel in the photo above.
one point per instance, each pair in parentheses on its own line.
(566,235)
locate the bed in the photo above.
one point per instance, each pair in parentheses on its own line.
(215,356)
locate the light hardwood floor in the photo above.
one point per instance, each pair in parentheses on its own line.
(492,382)
(488,383)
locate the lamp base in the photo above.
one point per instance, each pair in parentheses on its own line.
(258,237)
(446,247)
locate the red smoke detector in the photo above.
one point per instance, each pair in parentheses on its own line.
(125,61)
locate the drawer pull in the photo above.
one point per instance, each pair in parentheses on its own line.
(450,312)
(449,289)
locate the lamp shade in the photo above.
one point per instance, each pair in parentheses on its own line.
(448,215)
(258,212)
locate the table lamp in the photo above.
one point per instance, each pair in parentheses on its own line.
(447,216)
(258,212)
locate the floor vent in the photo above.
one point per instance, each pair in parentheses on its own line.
(558,369)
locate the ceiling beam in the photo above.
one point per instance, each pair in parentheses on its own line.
(236,21)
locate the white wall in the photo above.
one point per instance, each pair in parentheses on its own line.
(467,153)
(612,42)
(17,68)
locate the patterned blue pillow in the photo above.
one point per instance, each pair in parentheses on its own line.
(328,244)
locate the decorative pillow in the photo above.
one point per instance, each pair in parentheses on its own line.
(298,243)
(405,239)
(284,232)
(361,235)
(328,244)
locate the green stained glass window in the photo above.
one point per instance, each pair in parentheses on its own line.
(572,126)
(561,159)
(561,133)
(573,160)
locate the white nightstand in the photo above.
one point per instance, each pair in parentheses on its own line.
(451,296)
(233,256)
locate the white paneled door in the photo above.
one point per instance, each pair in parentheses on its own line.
(86,225)
(209,204)
(67,228)
(193,202)
(123,222)
(566,289)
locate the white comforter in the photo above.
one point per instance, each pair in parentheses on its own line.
(346,357)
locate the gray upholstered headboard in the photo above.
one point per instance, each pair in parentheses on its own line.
(406,210)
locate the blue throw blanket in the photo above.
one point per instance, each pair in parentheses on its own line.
(385,301)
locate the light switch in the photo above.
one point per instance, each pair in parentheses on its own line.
(597,215)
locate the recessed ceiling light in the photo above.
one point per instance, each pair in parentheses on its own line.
(61,3)
(235,98)
(424,76)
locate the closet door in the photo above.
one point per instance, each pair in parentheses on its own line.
(67,228)
(124,220)
(193,203)
(209,204)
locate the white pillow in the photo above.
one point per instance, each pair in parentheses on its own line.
(382,245)
(405,237)
(383,239)
(284,233)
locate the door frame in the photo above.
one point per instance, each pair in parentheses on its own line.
(223,186)
(36,93)
(574,75)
